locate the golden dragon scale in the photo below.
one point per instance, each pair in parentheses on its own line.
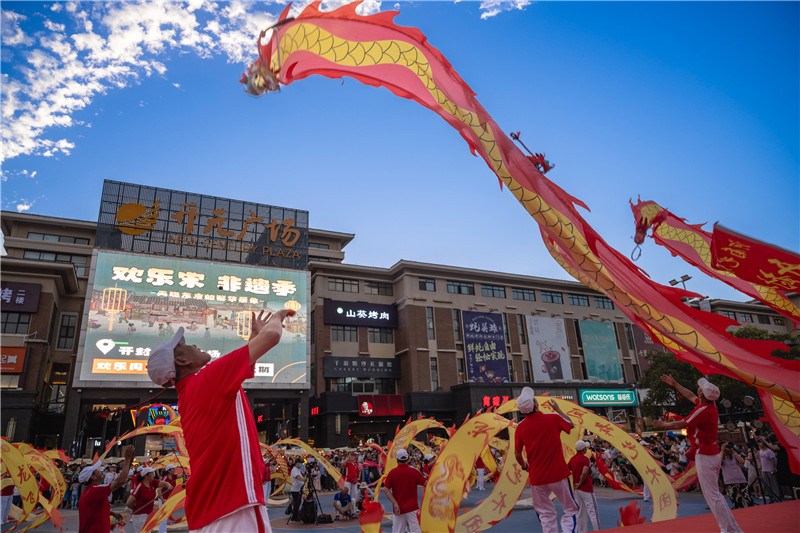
(374,50)
(692,243)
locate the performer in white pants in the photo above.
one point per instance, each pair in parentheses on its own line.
(702,429)
(581,467)
(539,435)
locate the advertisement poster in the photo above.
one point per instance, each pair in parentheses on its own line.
(485,347)
(600,351)
(549,350)
(138,302)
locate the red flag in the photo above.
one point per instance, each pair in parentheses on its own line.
(375,51)
(755,261)
(693,244)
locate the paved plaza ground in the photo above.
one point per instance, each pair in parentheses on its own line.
(522,519)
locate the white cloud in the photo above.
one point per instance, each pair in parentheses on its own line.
(490,8)
(23,206)
(12,34)
(73,52)
(176,85)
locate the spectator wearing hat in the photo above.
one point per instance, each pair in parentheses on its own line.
(143,499)
(581,467)
(364,493)
(539,435)
(400,486)
(94,507)
(221,495)
(702,429)
(428,464)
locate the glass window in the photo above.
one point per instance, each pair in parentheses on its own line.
(526,370)
(579,299)
(15,323)
(35,236)
(434,374)
(601,302)
(729,314)
(381,335)
(457,325)
(493,291)
(427,284)
(66,238)
(81,240)
(778,320)
(629,336)
(744,318)
(523,294)
(505,327)
(763,319)
(521,328)
(429,322)
(342,285)
(378,287)
(9,381)
(511,370)
(319,245)
(344,334)
(552,297)
(30,254)
(51,238)
(66,332)
(462,376)
(340,384)
(460,287)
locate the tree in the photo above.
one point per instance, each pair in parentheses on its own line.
(661,396)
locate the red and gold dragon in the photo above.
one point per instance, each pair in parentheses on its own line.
(377,52)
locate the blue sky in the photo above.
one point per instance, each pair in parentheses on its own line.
(692,105)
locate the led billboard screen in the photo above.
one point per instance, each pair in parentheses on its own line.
(137,302)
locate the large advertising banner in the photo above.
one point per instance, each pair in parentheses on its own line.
(549,349)
(600,351)
(485,347)
(138,302)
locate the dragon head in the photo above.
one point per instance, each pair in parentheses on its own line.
(646,214)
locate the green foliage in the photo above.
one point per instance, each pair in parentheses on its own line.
(661,397)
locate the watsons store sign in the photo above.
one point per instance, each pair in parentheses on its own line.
(608,397)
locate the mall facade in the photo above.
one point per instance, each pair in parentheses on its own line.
(382,344)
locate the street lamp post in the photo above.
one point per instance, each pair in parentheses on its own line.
(682,281)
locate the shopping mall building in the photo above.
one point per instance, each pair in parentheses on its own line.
(369,347)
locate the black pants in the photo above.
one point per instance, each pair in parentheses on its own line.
(296,497)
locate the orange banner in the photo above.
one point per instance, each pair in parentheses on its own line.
(118,366)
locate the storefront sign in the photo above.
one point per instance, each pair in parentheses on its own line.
(359,314)
(361,367)
(548,348)
(485,347)
(156,414)
(138,302)
(600,351)
(145,219)
(608,397)
(12,360)
(20,297)
(380,405)
(493,401)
